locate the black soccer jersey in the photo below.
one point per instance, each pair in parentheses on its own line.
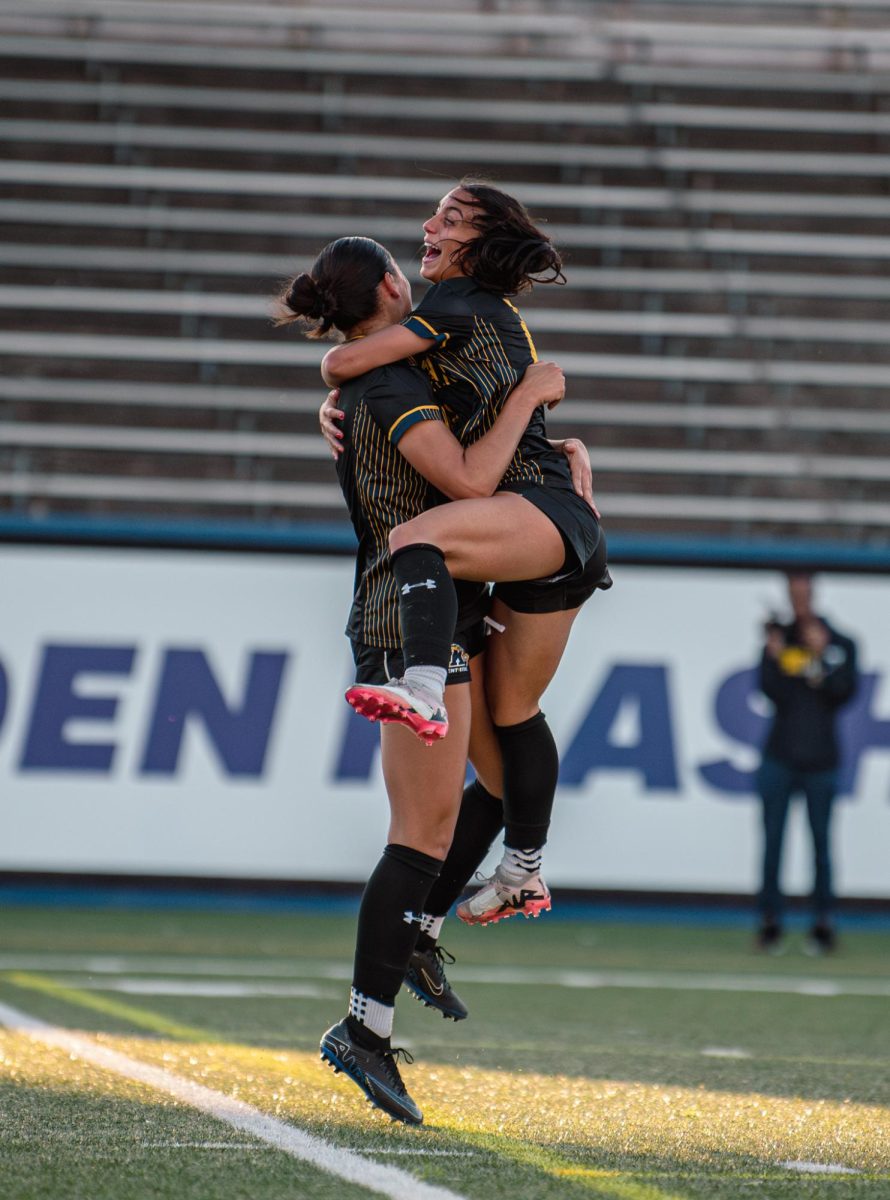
(482,348)
(381,487)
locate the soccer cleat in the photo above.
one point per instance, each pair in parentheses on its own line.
(374,1071)
(770,938)
(426,980)
(820,940)
(500,897)
(401,703)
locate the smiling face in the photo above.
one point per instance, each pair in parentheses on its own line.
(450,228)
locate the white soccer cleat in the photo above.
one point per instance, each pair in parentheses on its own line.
(402,703)
(500,897)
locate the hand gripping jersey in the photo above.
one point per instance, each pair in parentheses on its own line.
(481,350)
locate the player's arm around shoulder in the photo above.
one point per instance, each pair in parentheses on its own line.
(390,345)
(436,454)
(472,472)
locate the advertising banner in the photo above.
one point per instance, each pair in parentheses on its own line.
(181,713)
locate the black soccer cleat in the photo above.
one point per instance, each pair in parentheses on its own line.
(770,937)
(374,1071)
(820,940)
(426,979)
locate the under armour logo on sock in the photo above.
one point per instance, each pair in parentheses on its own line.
(411,918)
(429,584)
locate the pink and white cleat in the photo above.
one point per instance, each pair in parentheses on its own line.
(500,897)
(401,703)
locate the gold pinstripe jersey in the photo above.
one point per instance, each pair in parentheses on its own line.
(481,348)
(381,487)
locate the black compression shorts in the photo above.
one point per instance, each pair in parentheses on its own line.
(584,571)
(374,664)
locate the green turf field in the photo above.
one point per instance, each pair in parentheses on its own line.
(624,1061)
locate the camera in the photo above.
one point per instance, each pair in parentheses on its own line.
(772,624)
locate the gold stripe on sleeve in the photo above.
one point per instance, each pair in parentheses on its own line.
(528,336)
(410,413)
(426,324)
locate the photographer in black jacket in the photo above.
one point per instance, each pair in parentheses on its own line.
(808,671)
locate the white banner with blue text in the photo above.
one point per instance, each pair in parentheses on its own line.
(181,713)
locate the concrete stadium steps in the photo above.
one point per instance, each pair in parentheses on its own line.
(685,129)
(223,328)
(193,150)
(726,237)
(853,241)
(280,362)
(135,239)
(291,78)
(700,511)
(687,248)
(302,108)
(783,35)
(823,68)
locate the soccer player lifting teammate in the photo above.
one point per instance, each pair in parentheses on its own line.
(535,538)
(391,421)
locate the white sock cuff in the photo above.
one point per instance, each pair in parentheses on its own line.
(376,1016)
(431,925)
(522,861)
(432,679)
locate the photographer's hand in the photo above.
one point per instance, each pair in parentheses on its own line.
(815,636)
(775,641)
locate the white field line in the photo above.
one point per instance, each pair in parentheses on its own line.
(725,1052)
(811,1168)
(675,981)
(407,1150)
(344,1164)
(202,1146)
(213,989)
(232,968)
(532,976)
(403,1151)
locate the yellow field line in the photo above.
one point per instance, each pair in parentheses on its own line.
(621,1188)
(144,1018)
(339,1161)
(619,1185)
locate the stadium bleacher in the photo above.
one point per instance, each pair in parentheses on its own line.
(716,174)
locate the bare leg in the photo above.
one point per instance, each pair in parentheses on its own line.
(424,788)
(478,824)
(481,813)
(503,537)
(424,783)
(485,753)
(521,662)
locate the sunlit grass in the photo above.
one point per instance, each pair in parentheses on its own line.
(602,1118)
(546,1093)
(619,1139)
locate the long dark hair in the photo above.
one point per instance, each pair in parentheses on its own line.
(511,253)
(339,290)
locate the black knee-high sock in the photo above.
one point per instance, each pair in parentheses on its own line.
(389,919)
(478,823)
(427,605)
(531,770)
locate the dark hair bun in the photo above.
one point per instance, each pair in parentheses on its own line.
(307,299)
(339,292)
